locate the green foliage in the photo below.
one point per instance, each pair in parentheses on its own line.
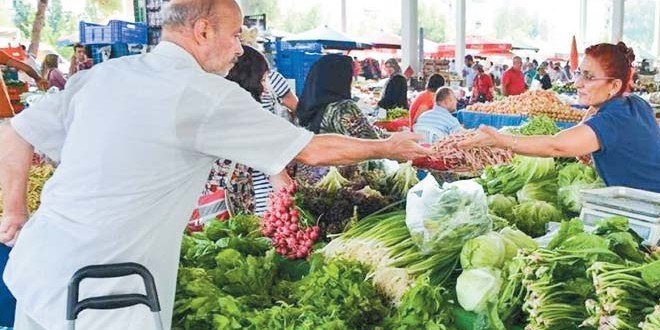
(23,16)
(432,20)
(296,21)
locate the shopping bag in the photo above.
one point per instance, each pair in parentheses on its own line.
(441,218)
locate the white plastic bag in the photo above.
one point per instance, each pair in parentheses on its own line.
(441,218)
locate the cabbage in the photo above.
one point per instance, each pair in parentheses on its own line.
(545,190)
(573,178)
(519,238)
(332,181)
(501,205)
(403,179)
(476,287)
(484,251)
(531,217)
(534,168)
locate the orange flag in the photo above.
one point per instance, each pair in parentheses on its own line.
(574,55)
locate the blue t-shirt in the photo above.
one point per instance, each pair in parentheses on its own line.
(440,120)
(629,137)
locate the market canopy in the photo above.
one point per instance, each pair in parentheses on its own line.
(329,38)
(384,39)
(478,44)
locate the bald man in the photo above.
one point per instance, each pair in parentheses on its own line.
(135,138)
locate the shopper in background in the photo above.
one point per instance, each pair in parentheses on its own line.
(468,72)
(513,80)
(426,99)
(530,74)
(326,106)
(567,71)
(543,77)
(395,94)
(51,73)
(483,87)
(619,132)
(440,119)
(79,60)
(135,141)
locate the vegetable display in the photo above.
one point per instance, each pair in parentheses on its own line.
(537,125)
(532,103)
(573,178)
(291,237)
(396,113)
(37,177)
(446,155)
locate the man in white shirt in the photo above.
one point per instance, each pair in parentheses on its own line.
(468,72)
(439,122)
(135,138)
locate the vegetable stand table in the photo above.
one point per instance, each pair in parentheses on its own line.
(472,119)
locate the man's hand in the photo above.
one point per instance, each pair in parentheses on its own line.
(42,84)
(404,146)
(280,180)
(10,227)
(486,137)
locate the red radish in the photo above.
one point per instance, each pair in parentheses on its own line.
(282,223)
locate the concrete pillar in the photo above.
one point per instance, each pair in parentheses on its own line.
(582,32)
(344,27)
(656,31)
(460,35)
(616,33)
(409,23)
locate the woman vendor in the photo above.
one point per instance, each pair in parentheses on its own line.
(618,131)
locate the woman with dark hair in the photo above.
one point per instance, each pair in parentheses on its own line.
(246,189)
(618,130)
(543,77)
(326,106)
(426,99)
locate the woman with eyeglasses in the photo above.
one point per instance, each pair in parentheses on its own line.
(619,131)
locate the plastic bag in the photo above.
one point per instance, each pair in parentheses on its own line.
(444,218)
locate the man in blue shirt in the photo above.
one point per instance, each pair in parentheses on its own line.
(439,122)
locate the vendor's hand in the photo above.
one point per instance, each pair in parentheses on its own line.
(280,180)
(404,146)
(10,227)
(42,84)
(486,137)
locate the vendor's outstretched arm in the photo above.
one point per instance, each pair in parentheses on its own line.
(573,142)
(25,68)
(335,149)
(15,160)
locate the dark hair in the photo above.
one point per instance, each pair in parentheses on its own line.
(479,68)
(435,81)
(78,45)
(249,71)
(616,61)
(395,94)
(469,58)
(442,94)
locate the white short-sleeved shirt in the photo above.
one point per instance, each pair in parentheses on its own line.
(136,137)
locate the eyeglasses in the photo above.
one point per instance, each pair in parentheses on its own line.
(589,77)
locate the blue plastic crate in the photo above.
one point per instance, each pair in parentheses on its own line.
(123,49)
(115,32)
(7,301)
(99,53)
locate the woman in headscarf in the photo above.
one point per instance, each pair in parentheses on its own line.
(396,88)
(326,106)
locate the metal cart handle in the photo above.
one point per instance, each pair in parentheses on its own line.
(74,307)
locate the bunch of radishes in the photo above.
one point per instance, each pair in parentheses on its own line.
(282,223)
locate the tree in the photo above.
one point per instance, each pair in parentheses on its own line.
(256,7)
(640,23)
(432,21)
(39,19)
(299,21)
(23,16)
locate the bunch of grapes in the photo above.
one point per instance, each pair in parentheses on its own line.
(291,237)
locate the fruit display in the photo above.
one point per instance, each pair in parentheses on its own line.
(531,103)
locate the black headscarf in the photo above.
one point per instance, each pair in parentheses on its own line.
(396,93)
(328,81)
